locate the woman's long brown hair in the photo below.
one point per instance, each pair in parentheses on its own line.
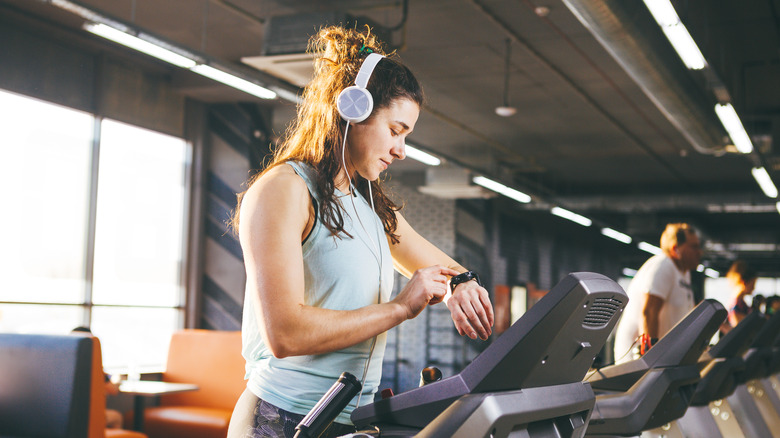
(315,137)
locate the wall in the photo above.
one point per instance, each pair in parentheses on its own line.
(237,137)
(429,339)
(52,68)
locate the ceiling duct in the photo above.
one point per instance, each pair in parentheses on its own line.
(286,39)
(289,34)
(673,92)
(296,68)
(451,182)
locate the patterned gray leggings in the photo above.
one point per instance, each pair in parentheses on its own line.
(270,421)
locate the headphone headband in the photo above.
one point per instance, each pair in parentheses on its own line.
(369,64)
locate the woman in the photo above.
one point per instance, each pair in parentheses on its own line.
(320,240)
(743,278)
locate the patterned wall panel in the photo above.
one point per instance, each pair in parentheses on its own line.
(234,150)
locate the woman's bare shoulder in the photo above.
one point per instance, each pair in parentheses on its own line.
(279,190)
(279,180)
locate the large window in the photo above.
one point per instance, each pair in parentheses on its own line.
(92,229)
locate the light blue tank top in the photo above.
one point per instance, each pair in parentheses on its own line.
(339,273)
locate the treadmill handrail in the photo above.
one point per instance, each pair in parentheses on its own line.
(722,363)
(627,412)
(678,347)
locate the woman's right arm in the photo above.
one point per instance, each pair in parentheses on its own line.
(276,212)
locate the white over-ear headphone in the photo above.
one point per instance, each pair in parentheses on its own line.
(355,103)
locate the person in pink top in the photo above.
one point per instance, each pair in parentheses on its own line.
(743,279)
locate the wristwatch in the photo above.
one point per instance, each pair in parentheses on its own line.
(464,277)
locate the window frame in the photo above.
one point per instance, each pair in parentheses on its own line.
(183,276)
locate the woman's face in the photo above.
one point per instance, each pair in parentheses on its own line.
(374,143)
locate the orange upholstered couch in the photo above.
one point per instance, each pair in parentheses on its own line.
(97,401)
(212,360)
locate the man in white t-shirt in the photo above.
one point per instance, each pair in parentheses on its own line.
(660,294)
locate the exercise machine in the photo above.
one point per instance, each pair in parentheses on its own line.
(655,389)
(750,401)
(709,414)
(528,382)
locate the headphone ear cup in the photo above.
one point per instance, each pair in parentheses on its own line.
(355,104)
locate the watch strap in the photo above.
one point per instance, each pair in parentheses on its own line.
(464,277)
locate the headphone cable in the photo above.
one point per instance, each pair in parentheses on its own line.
(377,255)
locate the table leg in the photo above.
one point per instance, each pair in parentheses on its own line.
(138,413)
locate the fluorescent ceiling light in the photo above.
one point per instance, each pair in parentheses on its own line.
(158,51)
(136,43)
(572,216)
(764,181)
(730,120)
(709,272)
(663,12)
(676,33)
(749,247)
(502,189)
(685,46)
(423,157)
(713,246)
(233,81)
(741,208)
(652,249)
(617,235)
(628,272)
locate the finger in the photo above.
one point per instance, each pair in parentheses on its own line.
(438,294)
(448,271)
(462,323)
(485,300)
(474,321)
(480,316)
(436,273)
(484,319)
(477,297)
(467,330)
(440,279)
(481,323)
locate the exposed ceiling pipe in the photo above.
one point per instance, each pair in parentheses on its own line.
(615,31)
(732,202)
(586,98)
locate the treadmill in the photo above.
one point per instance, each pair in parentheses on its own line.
(528,382)
(751,402)
(709,415)
(656,388)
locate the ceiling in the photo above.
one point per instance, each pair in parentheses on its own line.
(609,122)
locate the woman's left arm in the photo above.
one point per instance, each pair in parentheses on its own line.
(469,303)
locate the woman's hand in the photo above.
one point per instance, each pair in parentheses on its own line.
(471,310)
(427,286)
